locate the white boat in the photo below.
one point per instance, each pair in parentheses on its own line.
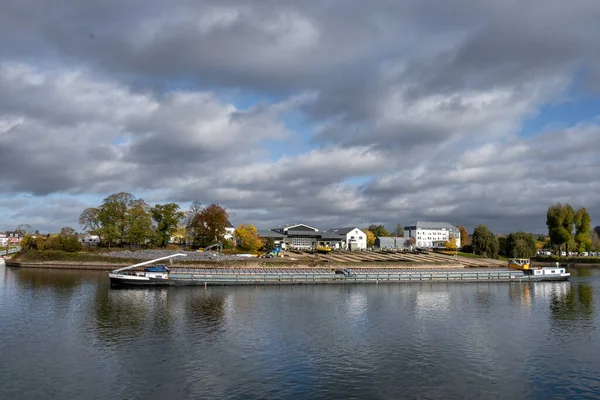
(556,273)
(152,275)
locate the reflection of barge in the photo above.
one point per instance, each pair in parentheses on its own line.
(163,276)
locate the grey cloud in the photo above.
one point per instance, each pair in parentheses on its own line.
(419,101)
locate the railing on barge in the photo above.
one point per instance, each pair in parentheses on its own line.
(300,277)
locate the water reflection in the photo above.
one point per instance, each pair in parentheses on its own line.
(358,341)
(575,303)
(207,309)
(123,315)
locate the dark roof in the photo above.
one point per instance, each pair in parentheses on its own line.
(270,234)
(332,236)
(343,231)
(303,233)
(432,225)
(229,225)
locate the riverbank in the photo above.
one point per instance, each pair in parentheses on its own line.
(254,264)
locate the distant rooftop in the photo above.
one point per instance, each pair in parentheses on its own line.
(342,231)
(431,225)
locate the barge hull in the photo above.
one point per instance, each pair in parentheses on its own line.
(227,278)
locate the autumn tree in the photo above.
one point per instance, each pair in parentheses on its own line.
(247,237)
(450,244)
(180,233)
(370,238)
(191,217)
(484,242)
(209,225)
(66,231)
(464,235)
(378,230)
(166,217)
(412,241)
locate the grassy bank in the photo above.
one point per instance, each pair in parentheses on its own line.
(57,255)
(569,260)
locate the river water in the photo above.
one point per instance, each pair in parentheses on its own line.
(68,335)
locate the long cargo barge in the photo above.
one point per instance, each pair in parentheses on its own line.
(161,275)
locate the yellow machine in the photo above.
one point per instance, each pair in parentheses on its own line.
(323,249)
(519,263)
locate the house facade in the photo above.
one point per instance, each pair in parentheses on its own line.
(8,237)
(431,234)
(354,238)
(302,237)
(229,229)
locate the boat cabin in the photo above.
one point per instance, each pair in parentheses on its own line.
(545,271)
(519,263)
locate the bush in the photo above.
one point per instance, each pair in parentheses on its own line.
(70,244)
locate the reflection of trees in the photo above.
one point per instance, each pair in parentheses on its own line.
(207,309)
(60,281)
(129,313)
(577,302)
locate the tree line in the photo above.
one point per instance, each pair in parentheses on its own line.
(122,219)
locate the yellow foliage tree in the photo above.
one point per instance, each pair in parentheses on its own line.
(370,238)
(248,238)
(450,244)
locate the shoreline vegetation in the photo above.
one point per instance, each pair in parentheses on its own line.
(55,259)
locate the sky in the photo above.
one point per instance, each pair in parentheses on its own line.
(331,113)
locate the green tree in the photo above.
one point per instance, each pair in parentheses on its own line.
(166,218)
(520,245)
(484,242)
(399,230)
(112,216)
(247,237)
(560,219)
(270,244)
(583,222)
(378,230)
(138,223)
(464,236)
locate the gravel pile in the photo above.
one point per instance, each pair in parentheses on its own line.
(191,255)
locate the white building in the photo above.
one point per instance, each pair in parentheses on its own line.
(432,234)
(355,238)
(229,229)
(3,239)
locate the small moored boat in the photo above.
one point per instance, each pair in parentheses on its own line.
(151,275)
(539,273)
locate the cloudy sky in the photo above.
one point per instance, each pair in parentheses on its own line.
(330,112)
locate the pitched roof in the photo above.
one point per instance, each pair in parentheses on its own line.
(343,231)
(270,234)
(288,226)
(433,225)
(229,225)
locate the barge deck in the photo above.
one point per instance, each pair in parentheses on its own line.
(206,277)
